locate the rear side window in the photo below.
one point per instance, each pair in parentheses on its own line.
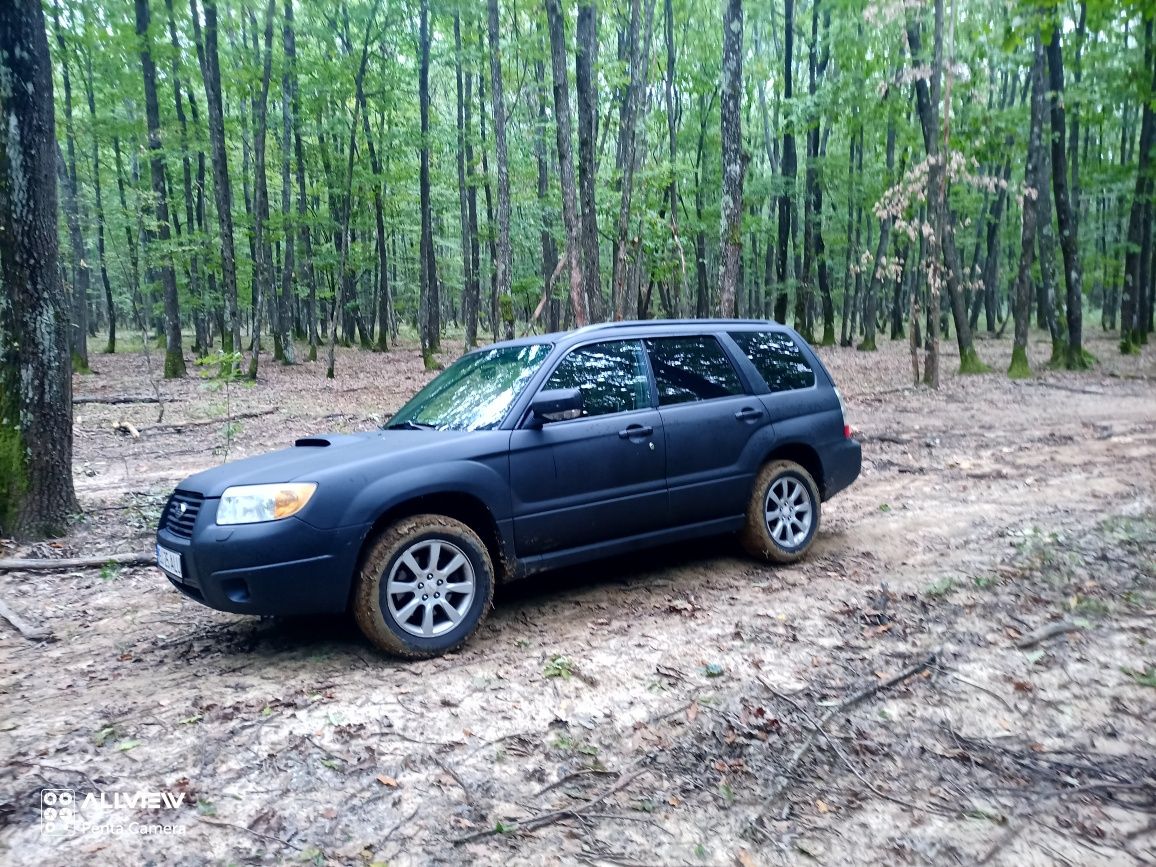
(691,368)
(777,357)
(612,377)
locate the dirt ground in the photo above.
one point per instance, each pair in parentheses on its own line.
(655,709)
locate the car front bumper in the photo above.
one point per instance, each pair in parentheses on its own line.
(285,567)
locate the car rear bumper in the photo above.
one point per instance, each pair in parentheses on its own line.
(841,465)
(230,568)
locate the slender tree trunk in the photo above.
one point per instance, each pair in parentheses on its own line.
(110,347)
(549,248)
(36,493)
(505,256)
(731,242)
(790,167)
(469,297)
(174,356)
(289,264)
(264,279)
(586,58)
(579,298)
(875,285)
(78,336)
(1069,243)
(208,57)
(1135,284)
(491,234)
(1022,304)
(430,302)
(473,288)
(702,297)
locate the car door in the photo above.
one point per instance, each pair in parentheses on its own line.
(598,477)
(708,420)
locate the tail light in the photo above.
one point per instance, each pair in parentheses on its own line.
(848,431)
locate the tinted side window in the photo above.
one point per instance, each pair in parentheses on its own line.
(612,377)
(777,357)
(691,368)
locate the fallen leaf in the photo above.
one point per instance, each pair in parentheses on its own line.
(692,711)
(745,859)
(822,806)
(387,781)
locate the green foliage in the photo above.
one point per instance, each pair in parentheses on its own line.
(559,666)
(1019,367)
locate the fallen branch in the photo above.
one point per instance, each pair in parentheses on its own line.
(543,819)
(1044,633)
(32,633)
(118,399)
(180,426)
(843,706)
(144,558)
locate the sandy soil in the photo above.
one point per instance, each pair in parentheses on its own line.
(650,709)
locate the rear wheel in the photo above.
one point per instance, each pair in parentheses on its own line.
(424,588)
(783,514)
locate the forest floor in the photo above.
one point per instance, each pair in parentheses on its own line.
(641,710)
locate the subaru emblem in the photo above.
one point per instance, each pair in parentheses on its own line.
(183,508)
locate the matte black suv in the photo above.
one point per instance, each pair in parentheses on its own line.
(522,456)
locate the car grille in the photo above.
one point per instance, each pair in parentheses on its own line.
(181,513)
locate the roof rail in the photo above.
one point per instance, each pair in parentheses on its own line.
(660,323)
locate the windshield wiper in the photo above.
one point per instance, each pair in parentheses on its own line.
(410,425)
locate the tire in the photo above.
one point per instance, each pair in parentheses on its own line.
(417,620)
(783,514)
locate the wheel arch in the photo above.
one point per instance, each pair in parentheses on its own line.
(802,454)
(467,508)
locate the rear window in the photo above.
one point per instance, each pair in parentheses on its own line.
(777,358)
(687,369)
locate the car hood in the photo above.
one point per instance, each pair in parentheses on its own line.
(315,458)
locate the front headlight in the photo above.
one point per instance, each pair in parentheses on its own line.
(252,504)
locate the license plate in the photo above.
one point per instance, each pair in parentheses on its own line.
(170,561)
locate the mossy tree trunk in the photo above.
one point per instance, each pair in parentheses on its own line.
(36,493)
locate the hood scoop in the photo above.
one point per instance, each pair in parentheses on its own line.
(314,442)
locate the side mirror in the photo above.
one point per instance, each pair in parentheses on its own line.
(558,404)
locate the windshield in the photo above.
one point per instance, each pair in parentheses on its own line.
(475,392)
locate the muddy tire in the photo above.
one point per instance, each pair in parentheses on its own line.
(426,584)
(783,514)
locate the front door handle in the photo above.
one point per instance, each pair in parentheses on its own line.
(635,431)
(748,414)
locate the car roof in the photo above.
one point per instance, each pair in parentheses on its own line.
(640,328)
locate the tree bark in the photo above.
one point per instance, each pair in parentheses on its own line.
(731,242)
(264,276)
(549,247)
(208,57)
(174,355)
(289,263)
(1022,304)
(469,294)
(430,299)
(586,57)
(505,256)
(101,250)
(36,493)
(790,167)
(579,298)
(1074,358)
(473,289)
(1135,284)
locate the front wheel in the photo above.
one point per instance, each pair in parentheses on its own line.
(425,586)
(783,514)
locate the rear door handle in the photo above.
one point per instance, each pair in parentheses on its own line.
(636,430)
(748,414)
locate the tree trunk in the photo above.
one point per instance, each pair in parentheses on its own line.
(110,347)
(579,297)
(78,335)
(790,168)
(289,263)
(207,56)
(36,493)
(497,95)
(1022,303)
(491,234)
(430,301)
(586,57)
(1135,284)
(927,100)
(264,264)
(473,288)
(731,242)
(174,356)
(469,295)
(1074,358)
(549,248)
